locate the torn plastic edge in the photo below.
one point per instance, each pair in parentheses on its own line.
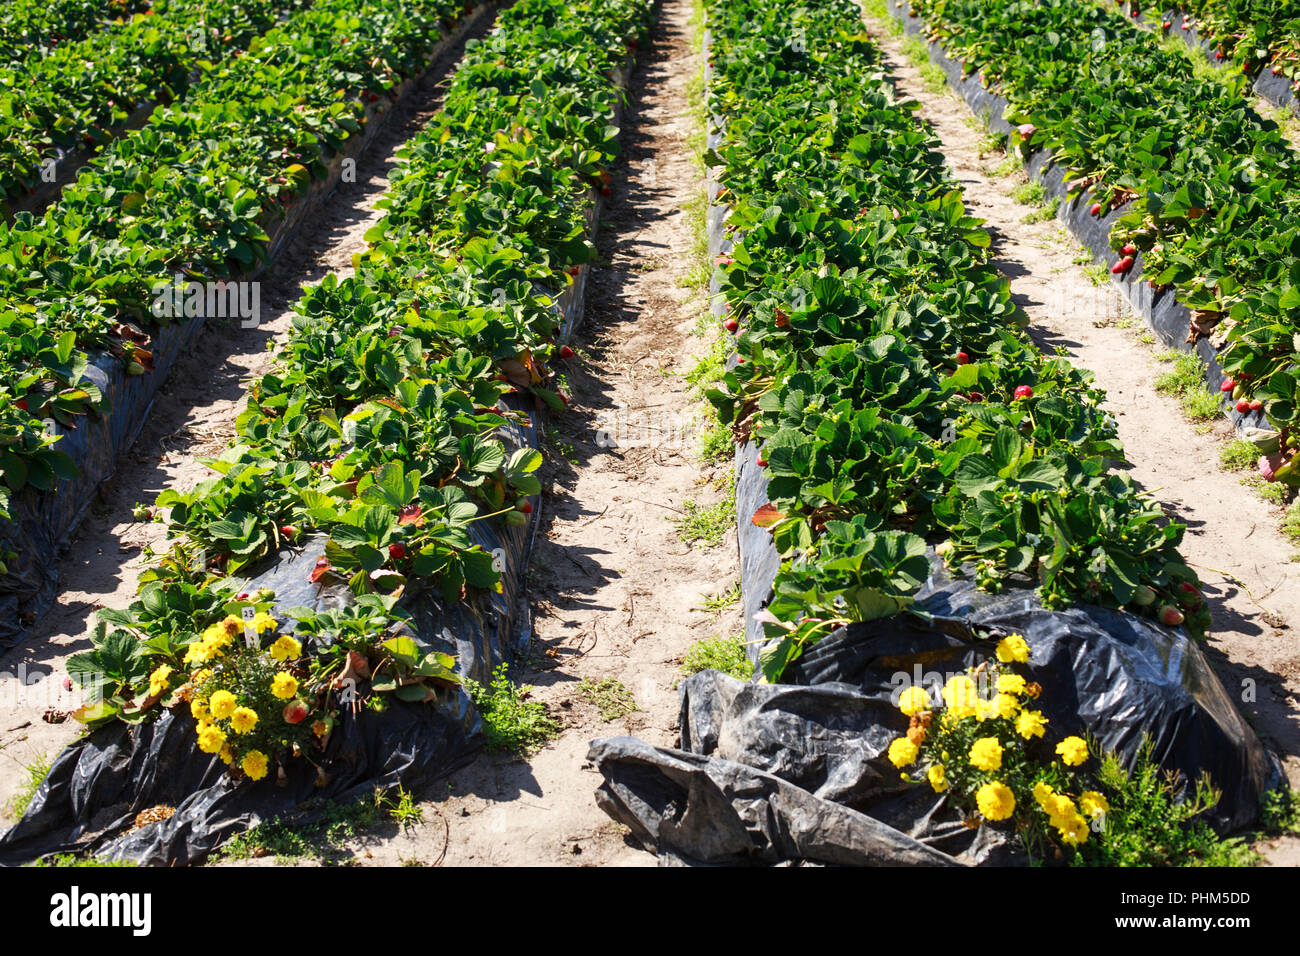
(43,522)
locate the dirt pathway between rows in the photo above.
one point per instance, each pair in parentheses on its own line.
(615,593)
(193,415)
(1232,535)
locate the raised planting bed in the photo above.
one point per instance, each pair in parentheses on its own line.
(1200,253)
(934,554)
(361,550)
(88,387)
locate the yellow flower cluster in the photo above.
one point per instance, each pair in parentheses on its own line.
(1073,750)
(903,752)
(1063,814)
(938,777)
(986,754)
(995,800)
(160,680)
(914,700)
(284,685)
(213,642)
(1013,649)
(1030,723)
(286,648)
(255,764)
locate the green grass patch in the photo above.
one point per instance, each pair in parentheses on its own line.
(878,10)
(711,523)
(511,722)
(723,599)
(1291,520)
(36,772)
(1186,382)
(725,653)
(325,839)
(1029,194)
(1047,211)
(609,696)
(716,444)
(1238,455)
(699,269)
(71,859)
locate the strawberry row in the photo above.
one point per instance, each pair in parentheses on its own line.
(28,26)
(1206,194)
(195,192)
(880,363)
(1251,35)
(79,95)
(394,438)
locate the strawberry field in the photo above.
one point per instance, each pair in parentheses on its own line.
(643,388)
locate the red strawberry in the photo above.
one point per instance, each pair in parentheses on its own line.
(295,712)
(1122,266)
(1256,404)
(762,462)
(1129,249)
(962,358)
(1024,391)
(21,403)
(526,507)
(288,530)
(605,190)
(977,396)
(566,352)
(731,325)
(1134,14)
(1167,24)
(1095,209)
(1170,616)
(397,551)
(573,270)
(782,320)
(1228,385)
(1243,406)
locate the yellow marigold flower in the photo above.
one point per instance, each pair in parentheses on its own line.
(914,700)
(903,752)
(1030,723)
(1012,649)
(254,764)
(1043,793)
(200,652)
(159,680)
(320,727)
(198,708)
(231,627)
(227,755)
(1073,829)
(284,685)
(243,720)
(986,754)
(1006,706)
(263,622)
(961,697)
(201,675)
(1073,750)
(286,648)
(995,800)
(223,704)
(211,738)
(1011,684)
(938,777)
(1093,804)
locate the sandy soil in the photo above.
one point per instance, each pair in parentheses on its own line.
(1232,537)
(193,415)
(615,592)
